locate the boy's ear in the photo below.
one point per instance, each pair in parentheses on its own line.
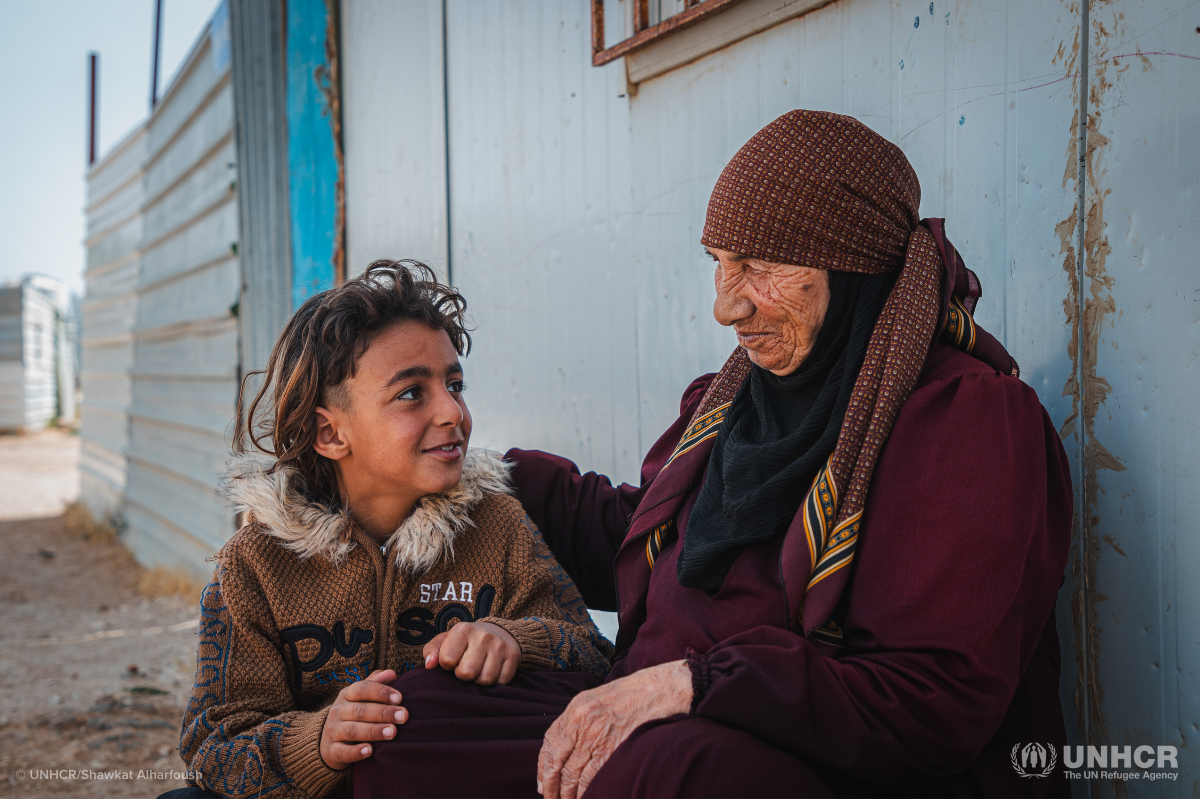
(330,442)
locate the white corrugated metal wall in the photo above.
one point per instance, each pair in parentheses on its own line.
(114,237)
(576,208)
(160,326)
(185,365)
(395,181)
(259,92)
(1141,379)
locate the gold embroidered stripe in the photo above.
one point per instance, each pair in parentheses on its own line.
(960,327)
(820,511)
(699,431)
(839,550)
(829,633)
(656,540)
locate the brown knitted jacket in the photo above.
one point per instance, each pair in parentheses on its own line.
(304,603)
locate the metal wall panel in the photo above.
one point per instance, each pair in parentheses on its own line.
(1141,340)
(108,245)
(394,133)
(185,359)
(113,282)
(542,216)
(114,229)
(259,89)
(119,167)
(121,204)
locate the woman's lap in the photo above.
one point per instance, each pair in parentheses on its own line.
(685,756)
(467,740)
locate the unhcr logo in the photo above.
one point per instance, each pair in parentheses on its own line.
(1126,763)
(1103,762)
(1034,760)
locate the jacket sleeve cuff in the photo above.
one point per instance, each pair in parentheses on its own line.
(300,753)
(701,677)
(532,636)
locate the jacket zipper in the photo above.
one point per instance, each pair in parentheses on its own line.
(384,604)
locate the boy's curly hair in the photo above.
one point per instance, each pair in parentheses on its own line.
(319,349)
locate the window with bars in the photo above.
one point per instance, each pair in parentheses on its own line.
(652,20)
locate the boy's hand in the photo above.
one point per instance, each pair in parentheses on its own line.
(366,711)
(476,651)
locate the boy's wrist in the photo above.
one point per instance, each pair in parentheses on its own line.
(531,636)
(300,752)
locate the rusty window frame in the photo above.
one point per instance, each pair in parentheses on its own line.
(643,32)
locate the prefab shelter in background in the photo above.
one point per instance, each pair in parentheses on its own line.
(37,355)
(559,176)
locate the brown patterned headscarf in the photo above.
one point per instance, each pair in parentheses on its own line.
(823,190)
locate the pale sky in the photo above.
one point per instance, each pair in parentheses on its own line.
(43,113)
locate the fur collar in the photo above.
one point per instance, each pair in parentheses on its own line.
(276,501)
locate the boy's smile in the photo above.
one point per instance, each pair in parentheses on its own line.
(405,429)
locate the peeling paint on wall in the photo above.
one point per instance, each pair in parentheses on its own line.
(329,81)
(1088,389)
(315,164)
(1066,230)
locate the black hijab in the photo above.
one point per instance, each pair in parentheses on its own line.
(778,433)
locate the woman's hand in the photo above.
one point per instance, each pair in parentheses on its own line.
(597,721)
(476,651)
(366,711)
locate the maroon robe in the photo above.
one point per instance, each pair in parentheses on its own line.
(950,653)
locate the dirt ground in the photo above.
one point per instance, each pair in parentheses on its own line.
(93,676)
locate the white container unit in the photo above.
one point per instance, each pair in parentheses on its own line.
(33,316)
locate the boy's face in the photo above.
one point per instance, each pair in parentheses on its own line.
(406,426)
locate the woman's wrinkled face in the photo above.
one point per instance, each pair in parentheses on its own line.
(776,310)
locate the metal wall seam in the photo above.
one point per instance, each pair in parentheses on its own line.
(446,142)
(259,89)
(1080,383)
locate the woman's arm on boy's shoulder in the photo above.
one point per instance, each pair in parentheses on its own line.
(583,517)
(543,610)
(242,733)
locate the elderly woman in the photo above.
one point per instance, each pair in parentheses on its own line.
(840,568)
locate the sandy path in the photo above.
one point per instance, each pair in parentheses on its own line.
(93,677)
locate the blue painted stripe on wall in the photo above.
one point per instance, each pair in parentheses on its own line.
(312,157)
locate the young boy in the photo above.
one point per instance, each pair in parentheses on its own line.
(375,542)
